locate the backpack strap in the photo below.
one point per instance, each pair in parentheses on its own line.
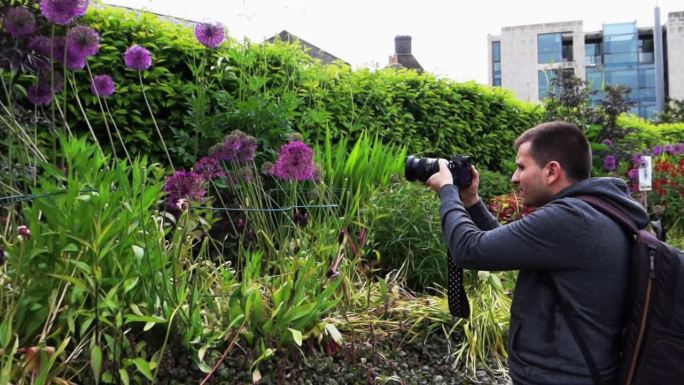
(566,310)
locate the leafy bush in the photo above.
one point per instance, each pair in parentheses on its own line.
(269,90)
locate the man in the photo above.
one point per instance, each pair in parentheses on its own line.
(585,251)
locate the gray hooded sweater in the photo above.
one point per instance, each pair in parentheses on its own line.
(587,254)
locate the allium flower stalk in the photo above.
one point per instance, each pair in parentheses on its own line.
(295,162)
(83,41)
(184,185)
(63,12)
(138,58)
(103,86)
(19,21)
(609,163)
(210,35)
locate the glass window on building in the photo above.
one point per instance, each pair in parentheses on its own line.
(549,48)
(496,63)
(646,55)
(595,79)
(620,44)
(647,78)
(592,53)
(625,77)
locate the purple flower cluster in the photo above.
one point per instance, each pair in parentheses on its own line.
(103,86)
(295,162)
(83,41)
(2,256)
(184,185)
(610,163)
(210,35)
(237,147)
(63,12)
(209,168)
(138,58)
(19,21)
(39,94)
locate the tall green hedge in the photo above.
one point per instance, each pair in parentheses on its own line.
(269,90)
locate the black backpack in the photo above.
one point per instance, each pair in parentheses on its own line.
(653,335)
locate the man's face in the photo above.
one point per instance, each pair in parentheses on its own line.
(530,178)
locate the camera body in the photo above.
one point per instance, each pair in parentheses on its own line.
(421,169)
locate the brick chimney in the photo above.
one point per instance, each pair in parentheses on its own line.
(403,58)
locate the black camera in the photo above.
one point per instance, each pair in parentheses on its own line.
(423,168)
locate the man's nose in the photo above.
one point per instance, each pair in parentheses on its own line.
(515,179)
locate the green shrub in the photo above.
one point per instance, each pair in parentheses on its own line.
(407,233)
(270,90)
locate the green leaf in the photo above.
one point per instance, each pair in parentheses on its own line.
(124,376)
(96,361)
(138,251)
(297,336)
(144,368)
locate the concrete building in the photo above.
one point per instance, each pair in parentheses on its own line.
(525,59)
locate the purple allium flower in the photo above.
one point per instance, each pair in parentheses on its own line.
(39,94)
(210,35)
(103,86)
(19,21)
(237,147)
(83,40)
(184,185)
(668,148)
(62,12)
(657,150)
(678,149)
(54,80)
(636,159)
(74,60)
(633,174)
(138,58)
(607,142)
(609,163)
(209,168)
(2,256)
(42,48)
(295,162)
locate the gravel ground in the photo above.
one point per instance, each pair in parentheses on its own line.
(385,361)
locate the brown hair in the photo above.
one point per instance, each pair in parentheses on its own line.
(560,141)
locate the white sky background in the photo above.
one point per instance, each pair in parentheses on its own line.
(449,36)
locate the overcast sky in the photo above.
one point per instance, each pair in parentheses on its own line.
(449,36)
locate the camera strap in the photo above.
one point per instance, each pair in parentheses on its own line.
(456,295)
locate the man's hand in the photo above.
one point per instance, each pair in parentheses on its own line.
(469,195)
(441,178)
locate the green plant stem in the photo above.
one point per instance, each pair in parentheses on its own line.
(78,101)
(149,108)
(104,117)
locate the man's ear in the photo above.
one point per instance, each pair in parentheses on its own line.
(554,172)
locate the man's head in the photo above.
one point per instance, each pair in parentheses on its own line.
(551,156)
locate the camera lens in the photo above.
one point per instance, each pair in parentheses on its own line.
(420,168)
